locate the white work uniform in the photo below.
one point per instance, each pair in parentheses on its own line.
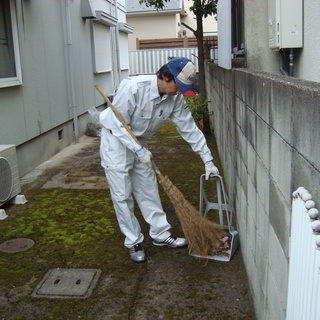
(145,111)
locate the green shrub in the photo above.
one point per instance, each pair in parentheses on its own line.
(199,108)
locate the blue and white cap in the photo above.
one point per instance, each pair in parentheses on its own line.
(184,73)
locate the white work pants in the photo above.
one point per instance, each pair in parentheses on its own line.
(127,175)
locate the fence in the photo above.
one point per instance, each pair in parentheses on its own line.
(169,43)
(150,61)
(304,277)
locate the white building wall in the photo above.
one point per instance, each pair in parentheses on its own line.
(39,116)
(159,26)
(209,23)
(152,27)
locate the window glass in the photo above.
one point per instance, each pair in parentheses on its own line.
(101,48)
(7,65)
(10,72)
(237,27)
(124,50)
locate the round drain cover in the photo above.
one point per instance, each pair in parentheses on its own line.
(16,245)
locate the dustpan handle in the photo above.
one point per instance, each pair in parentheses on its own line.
(222,203)
(120,118)
(228,212)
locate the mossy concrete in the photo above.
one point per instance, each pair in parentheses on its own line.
(70,217)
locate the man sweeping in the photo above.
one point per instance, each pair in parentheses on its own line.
(146,102)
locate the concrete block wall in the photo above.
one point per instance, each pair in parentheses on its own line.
(267,129)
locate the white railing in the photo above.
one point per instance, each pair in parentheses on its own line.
(304,263)
(150,61)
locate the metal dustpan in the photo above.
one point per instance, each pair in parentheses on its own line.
(225,216)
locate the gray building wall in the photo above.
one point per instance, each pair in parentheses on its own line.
(39,116)
(266,127)
(260,57)
(305,62)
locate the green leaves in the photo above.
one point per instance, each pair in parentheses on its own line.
(199,108)
(158,4)
(201,8)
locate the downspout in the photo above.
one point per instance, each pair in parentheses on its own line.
(282,70)
(70,67)
(117,44)
(291,64)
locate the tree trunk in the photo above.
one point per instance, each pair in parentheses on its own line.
(202,81)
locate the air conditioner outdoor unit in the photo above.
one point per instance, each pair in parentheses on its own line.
(9,174)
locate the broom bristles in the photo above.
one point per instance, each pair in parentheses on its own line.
(204,236)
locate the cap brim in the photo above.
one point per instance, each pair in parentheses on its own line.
(189,94)
(186,90)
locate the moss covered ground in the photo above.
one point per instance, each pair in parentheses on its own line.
(77,228)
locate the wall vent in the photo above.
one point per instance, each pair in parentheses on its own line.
(9,174)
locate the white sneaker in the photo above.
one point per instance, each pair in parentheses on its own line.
(172,242)
(137,253)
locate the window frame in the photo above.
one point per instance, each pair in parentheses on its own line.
(224,30)
(101,44)
(124,29)
(237,27)
(17,79)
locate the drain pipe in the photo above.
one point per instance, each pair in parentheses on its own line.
(117,43)
(71,70)
(282,70)
(291,64)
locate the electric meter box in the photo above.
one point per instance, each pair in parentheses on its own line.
(285,24)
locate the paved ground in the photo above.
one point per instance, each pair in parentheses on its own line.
(171,285)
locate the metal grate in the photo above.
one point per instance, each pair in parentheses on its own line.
(5,180)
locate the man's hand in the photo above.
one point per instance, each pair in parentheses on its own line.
(211,169)
(145,156)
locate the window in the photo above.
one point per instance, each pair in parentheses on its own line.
(237,27)
(123,44)
(101,48)
(224,37)
(10,72)
(102,59)
(124,50)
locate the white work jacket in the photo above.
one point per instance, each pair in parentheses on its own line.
(145,111)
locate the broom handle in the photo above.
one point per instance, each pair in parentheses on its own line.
(120,118)
(118,115)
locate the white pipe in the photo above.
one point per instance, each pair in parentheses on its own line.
(282,70)
(291,64)
(117,42)
(70,67)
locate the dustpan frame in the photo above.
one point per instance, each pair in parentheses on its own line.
(223,207)
(234,243)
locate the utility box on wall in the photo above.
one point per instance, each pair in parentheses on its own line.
(285,24)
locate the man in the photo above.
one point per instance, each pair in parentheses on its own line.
(145,103)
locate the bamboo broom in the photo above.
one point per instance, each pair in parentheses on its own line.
(205,238)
